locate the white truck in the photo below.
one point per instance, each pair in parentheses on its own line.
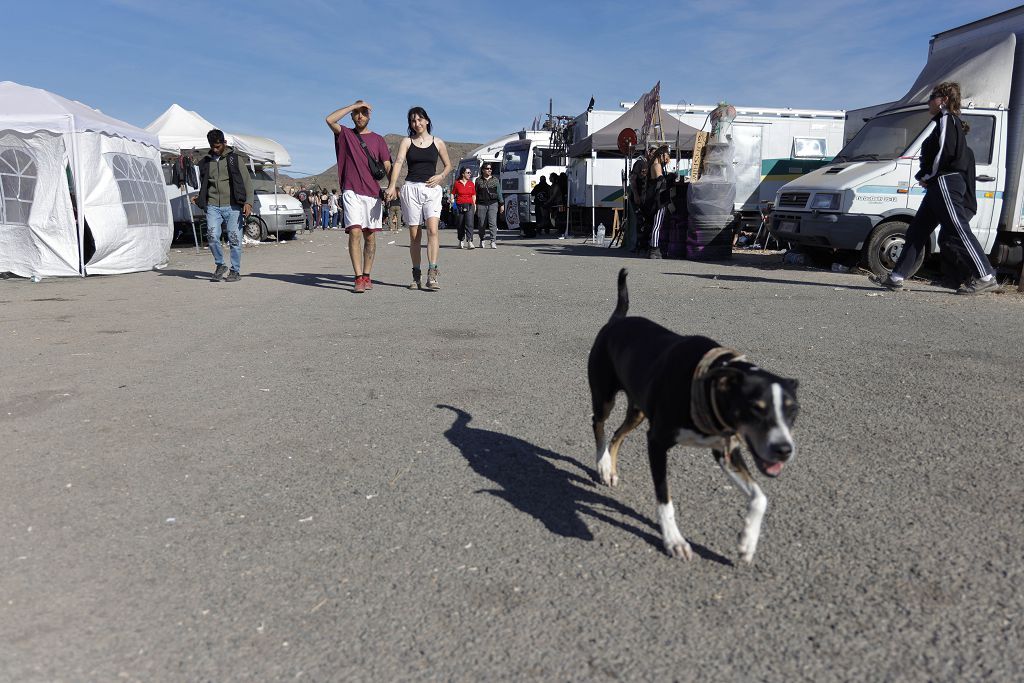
(864,199)
(487,152)
(523,161)
(595,182)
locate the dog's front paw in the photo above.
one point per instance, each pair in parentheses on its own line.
(604,470)
(679,549)
(748,544)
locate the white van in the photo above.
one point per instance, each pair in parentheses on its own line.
(866,197)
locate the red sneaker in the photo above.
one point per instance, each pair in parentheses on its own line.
(360,285)
(367,282)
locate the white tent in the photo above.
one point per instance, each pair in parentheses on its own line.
(55,154)
(181,130)
(279,155)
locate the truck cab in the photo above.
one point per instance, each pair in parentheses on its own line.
(866,197)
(523,162)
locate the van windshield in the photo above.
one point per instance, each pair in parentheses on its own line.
(514,157)
(885,137)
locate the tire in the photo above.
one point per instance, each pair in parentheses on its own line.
(885,246)
(255,228)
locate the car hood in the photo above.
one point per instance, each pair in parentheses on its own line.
(841,176)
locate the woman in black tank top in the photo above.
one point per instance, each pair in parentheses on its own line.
(421,194)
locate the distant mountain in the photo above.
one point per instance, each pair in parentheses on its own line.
(328,178)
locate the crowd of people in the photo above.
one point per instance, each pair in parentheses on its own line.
(474,204)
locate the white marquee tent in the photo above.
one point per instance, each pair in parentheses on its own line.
(181,130)
(55,154)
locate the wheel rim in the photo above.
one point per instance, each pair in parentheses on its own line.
(890,249)
(253,229)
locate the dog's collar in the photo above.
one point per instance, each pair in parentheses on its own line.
(703,406)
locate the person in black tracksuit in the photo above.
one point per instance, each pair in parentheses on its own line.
(947,174)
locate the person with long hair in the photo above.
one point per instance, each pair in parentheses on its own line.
(421,193)
(947,174)
(656,181)
(464,192)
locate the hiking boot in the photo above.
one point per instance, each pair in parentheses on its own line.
(367,282)
(888,282)
(218,275)
(416,273)
(233,276)
(432,279)
(359,287)
(979,287)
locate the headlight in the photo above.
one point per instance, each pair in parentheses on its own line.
(826,201)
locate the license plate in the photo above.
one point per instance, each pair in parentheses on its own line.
(789,226)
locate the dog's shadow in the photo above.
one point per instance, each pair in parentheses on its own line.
(535,480)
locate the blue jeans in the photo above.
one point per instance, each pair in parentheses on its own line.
(232,218)
(325,217)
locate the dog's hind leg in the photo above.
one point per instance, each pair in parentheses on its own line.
(736,467)
(602,409)
(675,544)
(608,462)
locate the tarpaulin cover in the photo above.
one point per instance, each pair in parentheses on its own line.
(606,139)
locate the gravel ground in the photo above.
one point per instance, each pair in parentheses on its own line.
(278,479)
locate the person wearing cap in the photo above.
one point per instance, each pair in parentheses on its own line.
(225,194)
(362,205)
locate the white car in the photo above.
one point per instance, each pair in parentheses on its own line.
(274,214)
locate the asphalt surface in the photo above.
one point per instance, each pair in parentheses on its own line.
(278,479)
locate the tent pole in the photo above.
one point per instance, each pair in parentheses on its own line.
(277,219)
(79,198)
(593,197)
(191,218)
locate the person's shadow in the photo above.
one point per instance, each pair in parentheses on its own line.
(530,479)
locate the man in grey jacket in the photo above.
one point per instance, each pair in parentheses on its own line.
(225,193)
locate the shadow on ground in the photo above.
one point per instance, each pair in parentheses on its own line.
(535,480)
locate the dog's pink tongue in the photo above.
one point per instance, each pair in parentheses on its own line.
(773,468)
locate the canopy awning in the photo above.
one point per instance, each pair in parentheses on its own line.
(28,110)
(606,139)
(181,129)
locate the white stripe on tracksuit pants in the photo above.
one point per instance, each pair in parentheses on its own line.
(943,206)
(656,223)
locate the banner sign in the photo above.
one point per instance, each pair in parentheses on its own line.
(652,102)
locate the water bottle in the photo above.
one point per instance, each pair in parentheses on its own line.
(600,235)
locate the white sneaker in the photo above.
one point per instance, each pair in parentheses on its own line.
(462,244)
(471,245)
(494,244)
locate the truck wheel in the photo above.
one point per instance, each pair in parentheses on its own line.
(255,228)
(885,246)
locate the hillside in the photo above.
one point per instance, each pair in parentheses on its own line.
(328,178)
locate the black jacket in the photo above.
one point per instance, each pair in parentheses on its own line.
(944,151)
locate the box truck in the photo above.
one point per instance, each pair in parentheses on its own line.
(865,198)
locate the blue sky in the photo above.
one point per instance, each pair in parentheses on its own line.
(277,68)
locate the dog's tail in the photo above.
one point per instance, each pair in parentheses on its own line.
(622,306)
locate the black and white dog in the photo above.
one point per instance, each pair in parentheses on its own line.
(693,392)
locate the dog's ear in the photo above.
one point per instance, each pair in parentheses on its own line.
(725,377)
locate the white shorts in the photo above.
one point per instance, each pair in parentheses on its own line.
(420,202)
(362,211)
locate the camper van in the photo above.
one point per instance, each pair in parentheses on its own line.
(487,152)
(523,161)
(864,200)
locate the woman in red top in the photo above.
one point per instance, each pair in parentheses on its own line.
(464,192)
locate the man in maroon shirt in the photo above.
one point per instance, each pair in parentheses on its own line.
(360,191)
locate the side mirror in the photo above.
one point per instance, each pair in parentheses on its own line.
(538,162)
